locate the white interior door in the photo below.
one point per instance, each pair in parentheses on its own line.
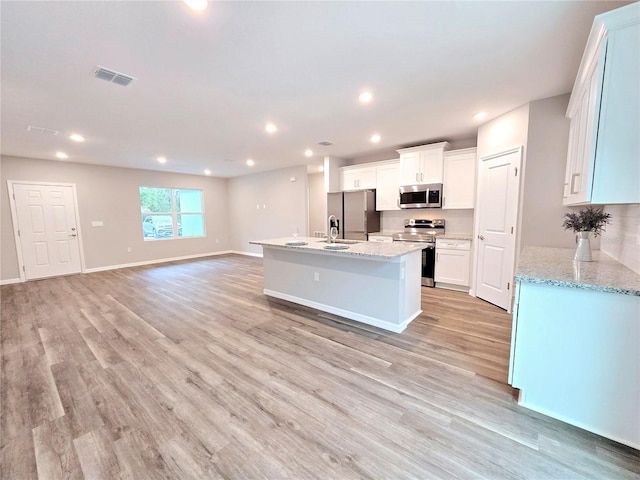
(47,230)
(498,194)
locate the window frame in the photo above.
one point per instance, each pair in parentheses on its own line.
(173,214)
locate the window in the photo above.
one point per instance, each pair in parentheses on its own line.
(171,213)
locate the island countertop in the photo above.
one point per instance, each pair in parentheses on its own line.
(372,250)
(555,266)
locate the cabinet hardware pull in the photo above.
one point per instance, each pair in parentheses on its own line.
(573,183)
(481,237)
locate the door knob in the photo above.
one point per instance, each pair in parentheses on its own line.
(73,235)
(481,237)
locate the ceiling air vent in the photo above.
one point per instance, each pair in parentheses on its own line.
(325,143)
(41,130)
(113,76)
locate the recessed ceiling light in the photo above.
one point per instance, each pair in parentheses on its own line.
(61,155)
(365,97)
(162,160)
(271,128)
(375,138)
(207,172)
(480,115)
(321,168)
(251,163)
(76,137)
(308,152)
(196,4)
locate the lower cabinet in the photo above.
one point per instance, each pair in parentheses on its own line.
(453,263)
(574,357)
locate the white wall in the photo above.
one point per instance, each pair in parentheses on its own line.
(317,204)
(500,134)
(267,205)
(110,194)
(621,239)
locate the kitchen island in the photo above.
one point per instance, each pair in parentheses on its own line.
(373,283)
(576,341)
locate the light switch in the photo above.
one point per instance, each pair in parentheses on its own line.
(97,223)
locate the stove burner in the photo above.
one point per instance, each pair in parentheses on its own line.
(420,230)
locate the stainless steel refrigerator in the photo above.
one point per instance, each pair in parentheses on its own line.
(356,213)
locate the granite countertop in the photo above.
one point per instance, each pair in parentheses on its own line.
(456,236)
(555,266)
(373,250)
(384,233)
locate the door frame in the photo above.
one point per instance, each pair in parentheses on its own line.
(476,220)
(14,220)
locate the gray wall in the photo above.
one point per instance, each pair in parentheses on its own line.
(317,204)
(110,194)
(547,143)
(267,205)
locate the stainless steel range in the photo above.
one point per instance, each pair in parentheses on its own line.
(423,231)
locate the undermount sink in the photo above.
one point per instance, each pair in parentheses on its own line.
(342,241)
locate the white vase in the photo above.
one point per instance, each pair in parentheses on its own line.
(583,250)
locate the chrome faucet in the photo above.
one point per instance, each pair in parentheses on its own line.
(333,228)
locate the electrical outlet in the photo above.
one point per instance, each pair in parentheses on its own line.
(217,240)
(129,249)
(316,276)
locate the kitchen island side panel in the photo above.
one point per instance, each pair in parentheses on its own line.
(385,294)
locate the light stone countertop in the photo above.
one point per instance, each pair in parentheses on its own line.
(373,250)
(456,236)
(555,266)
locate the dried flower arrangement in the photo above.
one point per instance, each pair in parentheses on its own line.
(591,219)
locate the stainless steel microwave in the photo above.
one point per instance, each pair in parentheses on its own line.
(421,196)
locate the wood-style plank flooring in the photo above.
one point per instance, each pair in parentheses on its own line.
(187,371)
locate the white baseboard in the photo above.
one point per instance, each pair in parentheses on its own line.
(450,286)
(10,281)
(392,327)
(248,254)
(152,262)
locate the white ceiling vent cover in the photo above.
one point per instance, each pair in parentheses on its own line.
(113,76)
(41,130)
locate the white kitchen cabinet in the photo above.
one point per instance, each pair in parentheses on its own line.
(422,164)
(602,158)
(459,179)
(357,177)
(574,357)
(453,263)
(388,185)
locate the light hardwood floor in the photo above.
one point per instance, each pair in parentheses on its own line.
(186,370)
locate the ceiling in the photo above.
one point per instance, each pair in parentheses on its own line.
(208,82)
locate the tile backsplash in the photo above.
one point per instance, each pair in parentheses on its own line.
(621,240)
(457,221)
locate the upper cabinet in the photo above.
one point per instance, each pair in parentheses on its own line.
(358,177)
(422,164)
(459,180)
(603,160)
(388,182)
